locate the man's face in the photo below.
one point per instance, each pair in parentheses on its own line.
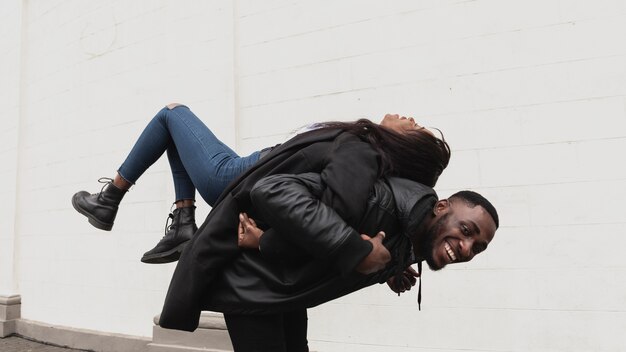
(458,233)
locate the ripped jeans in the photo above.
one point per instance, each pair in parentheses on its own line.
(198,159)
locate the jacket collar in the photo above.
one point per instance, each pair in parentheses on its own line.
(413,201)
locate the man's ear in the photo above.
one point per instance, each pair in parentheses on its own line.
(441,207)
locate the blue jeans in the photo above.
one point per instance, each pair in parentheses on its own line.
(197,158)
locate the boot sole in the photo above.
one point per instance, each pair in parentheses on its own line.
(165,257)
(93,221)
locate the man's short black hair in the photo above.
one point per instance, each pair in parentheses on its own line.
(473,199)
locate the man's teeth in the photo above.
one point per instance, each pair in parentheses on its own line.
(449,251)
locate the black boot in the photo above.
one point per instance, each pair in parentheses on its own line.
(100,208)
(176,237)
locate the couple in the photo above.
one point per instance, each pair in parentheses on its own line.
(331,211)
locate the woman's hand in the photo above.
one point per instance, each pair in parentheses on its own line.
(249,235)
(408,280)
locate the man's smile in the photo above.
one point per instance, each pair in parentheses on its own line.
(449,251)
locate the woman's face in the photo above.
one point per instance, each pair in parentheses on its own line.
(401,124)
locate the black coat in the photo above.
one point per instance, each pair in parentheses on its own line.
(256,283)
(213,273)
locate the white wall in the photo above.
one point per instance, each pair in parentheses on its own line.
(530,95)
(93,74)
(10,26)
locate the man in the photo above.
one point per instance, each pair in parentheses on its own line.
(254,288)
(264,299)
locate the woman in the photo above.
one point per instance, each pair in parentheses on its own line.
(198,160)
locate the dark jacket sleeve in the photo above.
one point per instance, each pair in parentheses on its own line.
(274,247)
(291,205)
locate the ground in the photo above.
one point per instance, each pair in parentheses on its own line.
(19,344)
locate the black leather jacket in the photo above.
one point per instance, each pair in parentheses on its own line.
(214,273)
(260,282)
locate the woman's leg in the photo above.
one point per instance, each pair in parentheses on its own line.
(198,159)
(210,164)
(183,221)
(154,140)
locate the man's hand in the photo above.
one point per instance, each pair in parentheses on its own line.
(409,278)
(378,257)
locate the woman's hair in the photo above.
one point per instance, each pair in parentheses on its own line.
(415,154)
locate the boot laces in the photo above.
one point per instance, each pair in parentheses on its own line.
(169,221)
(107,181)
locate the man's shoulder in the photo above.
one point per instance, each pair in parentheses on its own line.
(407,194)
(398,194)
(403,187)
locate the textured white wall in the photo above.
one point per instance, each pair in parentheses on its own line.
(10,39)
(94,73)
(531,95)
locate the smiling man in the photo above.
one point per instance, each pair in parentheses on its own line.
(460,227)
(264,298)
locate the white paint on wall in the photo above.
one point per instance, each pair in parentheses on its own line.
(531,95)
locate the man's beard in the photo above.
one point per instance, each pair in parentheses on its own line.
(427,243)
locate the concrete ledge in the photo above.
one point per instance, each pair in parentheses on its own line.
(208,320)
(10,312)
(154,347)
(10,300)
(7,328)
(81,339)
(211,336)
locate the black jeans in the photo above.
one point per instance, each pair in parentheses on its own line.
(284,332)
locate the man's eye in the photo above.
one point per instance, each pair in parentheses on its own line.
(465,230)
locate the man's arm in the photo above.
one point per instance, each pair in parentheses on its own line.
(290,204)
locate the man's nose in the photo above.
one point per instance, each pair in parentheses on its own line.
(466,249)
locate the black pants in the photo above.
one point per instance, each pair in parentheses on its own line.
(284,332)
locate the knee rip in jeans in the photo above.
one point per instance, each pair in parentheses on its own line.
(173,105)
